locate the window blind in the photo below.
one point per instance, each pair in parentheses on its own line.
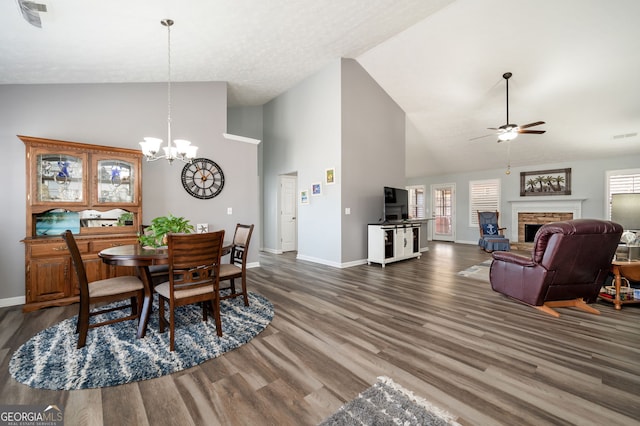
(484,196)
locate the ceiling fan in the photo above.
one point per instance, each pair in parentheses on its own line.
(508,132)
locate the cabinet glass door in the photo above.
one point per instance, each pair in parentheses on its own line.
(116,181)
(60,178)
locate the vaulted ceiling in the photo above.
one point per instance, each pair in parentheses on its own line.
(575,63)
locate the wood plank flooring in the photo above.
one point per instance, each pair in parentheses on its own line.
(450,339)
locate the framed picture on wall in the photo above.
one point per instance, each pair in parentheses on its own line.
(316,189)
(330,176)
(304,196)
(545,182)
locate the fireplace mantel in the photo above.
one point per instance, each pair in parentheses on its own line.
(543,204)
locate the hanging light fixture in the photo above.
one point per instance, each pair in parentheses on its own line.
(183,150)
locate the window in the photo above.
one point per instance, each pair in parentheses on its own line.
(484,196)
(621,182)
(416,202)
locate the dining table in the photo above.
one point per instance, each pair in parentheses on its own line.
(142,258)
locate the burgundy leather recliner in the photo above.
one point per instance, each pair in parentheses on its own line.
(568,265)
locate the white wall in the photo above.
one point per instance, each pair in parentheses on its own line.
(587,182)
(120,115)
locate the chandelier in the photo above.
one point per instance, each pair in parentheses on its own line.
(180,149)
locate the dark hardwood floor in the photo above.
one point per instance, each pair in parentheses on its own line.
(449,339)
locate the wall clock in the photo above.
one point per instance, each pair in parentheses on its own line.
(202,178)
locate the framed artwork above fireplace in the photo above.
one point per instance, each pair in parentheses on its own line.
(545,182)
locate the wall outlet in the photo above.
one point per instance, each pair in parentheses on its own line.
(347,210)
(229,210)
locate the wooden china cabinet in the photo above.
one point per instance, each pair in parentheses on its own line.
(94,190)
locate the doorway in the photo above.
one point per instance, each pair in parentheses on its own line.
(443,202)
(288,213)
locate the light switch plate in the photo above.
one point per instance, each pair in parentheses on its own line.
(229,210)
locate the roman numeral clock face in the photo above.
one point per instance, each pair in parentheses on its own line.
(202,178)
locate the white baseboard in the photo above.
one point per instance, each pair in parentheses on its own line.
(12,301)
(272,251)
(329,263)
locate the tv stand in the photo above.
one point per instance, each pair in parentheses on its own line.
(391,242)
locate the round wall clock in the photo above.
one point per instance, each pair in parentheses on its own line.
(202,178)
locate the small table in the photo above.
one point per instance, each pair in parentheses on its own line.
(142,258)
(624,268)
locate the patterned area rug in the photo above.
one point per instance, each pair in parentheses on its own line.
(387,403)
(114,356)
(478,272)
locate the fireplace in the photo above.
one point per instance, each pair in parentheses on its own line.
(530,230)
(539,212)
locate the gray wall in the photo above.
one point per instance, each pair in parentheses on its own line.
(121,115)
(373,155)
(338,118)
(588,179)
(302,135)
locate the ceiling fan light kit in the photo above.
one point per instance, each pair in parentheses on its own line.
(509,131)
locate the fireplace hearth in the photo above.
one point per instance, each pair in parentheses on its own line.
(540,212)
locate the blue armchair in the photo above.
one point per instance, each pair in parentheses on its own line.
(491,234)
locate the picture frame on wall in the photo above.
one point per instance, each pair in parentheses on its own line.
(316,189)
(330,176)
(545,182)
(304,196)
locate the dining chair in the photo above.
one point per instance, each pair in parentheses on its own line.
(102,291)
(194,274)
(237,266)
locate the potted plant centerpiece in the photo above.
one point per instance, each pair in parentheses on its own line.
(156,234)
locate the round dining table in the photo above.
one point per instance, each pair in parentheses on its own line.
(142,258)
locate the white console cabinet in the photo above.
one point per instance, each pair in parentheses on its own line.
(393,242)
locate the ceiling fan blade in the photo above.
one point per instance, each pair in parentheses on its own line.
(535,132)
(480,137)
(537,123)
(492,128)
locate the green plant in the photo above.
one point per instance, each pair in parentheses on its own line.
(124,218)
(155,234)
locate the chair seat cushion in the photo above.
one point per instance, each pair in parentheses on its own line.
(188,291)
(116,285)
(227,270)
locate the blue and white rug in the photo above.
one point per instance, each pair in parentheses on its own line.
(114,356)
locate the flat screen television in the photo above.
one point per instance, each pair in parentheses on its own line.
(396,204)
(625,210)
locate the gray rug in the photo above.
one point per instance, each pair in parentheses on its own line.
(387,403)
(478,272)
(114,356)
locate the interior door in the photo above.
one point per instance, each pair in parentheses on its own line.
(443,201)
(288,213)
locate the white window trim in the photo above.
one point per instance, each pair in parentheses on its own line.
(424,198)
(473,215)
(607,189)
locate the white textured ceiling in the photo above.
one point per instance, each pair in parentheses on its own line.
(575,63)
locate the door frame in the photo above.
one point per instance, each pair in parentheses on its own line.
(281,179)
(434,187)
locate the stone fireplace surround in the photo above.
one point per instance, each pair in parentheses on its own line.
(539,212)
